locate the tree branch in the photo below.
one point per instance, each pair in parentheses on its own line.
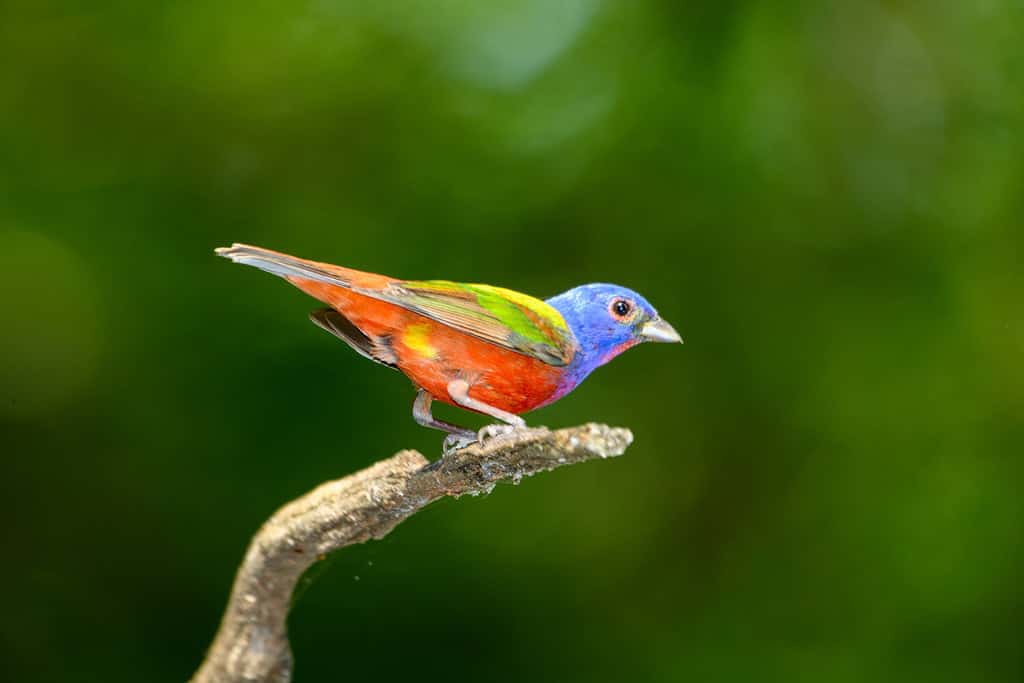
(252,642)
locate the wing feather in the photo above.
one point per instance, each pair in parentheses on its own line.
(496,315)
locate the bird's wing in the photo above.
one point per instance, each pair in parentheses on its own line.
(496,315)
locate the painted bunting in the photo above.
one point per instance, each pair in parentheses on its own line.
(482,348)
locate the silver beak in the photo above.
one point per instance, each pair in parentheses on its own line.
(658,330)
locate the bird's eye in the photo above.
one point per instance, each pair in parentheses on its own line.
(621,308)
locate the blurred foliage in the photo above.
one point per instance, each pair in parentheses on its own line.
(825,198)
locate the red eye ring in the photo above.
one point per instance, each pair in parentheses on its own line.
(621,308)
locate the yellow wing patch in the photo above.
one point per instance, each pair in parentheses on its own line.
(542,311)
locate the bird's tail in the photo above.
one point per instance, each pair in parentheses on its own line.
(287,266)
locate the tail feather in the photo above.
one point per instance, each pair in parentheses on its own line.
(283,265)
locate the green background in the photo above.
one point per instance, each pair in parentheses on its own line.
(824,198)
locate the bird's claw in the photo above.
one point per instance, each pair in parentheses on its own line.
(456,442)
(496,431)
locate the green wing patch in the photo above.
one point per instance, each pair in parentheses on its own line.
(496,315)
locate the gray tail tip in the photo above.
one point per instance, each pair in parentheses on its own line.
(232,252)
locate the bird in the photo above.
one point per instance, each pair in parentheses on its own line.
(478,347)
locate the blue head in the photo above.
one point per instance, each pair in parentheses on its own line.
(607,320)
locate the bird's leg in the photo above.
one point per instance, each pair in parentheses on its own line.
(458,437)
(458,389)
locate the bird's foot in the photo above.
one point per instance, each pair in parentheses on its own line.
(456,442)
(460,440)
(498,431)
